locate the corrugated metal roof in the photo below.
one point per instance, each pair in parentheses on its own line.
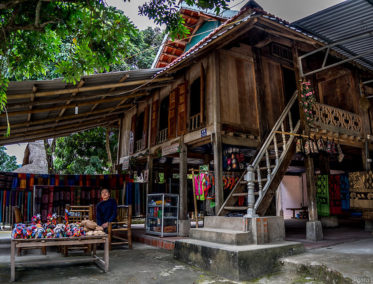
(49,111)
(342,21)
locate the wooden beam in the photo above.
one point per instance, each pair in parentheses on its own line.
(125,77)
(81,83)
(46,136)
(86,89)
(60,128)
(21,112)
(34,89)
(13,106)
(73,116)
(55,124)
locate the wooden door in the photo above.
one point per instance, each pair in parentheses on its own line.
(182,110)
(154,123)
(172,112)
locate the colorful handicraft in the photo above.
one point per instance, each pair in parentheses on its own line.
(322,195)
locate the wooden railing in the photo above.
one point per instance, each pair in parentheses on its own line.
(268,160)
(337,120)
(195,122)
(162,136)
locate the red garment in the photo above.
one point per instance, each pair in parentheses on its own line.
(335,195)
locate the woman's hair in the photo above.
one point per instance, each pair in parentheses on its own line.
(104,188)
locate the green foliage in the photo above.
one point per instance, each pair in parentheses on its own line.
(7,163)
(307,100)
(166,12)
(84,152)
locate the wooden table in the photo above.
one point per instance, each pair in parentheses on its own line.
(297,209)
(103,263)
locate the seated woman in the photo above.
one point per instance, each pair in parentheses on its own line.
(106,209)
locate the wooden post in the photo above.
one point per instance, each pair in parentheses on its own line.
(313,226)
(106,254)
(311,189)
(195,201)
(183,181)
(216,135)
(12,261)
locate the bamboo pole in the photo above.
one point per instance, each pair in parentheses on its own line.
(86,89)
(195,201)
(320,135)
(21,112)
(40,137)
(42,131)
(55,124)
(106,110)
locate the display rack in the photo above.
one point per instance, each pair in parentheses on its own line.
(162,213)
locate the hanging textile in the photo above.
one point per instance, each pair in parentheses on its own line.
(345,192)
(137,200)
(322,195)
(335,195)
(129,193)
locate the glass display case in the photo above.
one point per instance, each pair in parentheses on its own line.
(162,212)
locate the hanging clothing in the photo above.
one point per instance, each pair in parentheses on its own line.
(137,200)
(335,195)
(322,195)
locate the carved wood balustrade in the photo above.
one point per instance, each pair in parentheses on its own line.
(337,120)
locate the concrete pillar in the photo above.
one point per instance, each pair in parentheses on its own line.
(184,223)
(314,227)
(369,225)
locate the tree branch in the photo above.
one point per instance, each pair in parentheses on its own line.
(37,13)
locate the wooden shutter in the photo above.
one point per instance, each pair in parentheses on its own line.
(154,122)
(202,94)
(145,128)
(172,114)
(182,109)
(132,134)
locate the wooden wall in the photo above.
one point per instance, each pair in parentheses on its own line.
(274,101)
(337,87)
(238,98)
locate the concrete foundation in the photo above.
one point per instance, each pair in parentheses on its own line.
(369,225)
(329,222)
(314,231)
(240,263)
(184,228)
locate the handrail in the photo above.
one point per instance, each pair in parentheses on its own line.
(254,168)
(274,129)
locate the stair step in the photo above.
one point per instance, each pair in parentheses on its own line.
(262,180)
(243,194)
(222,236)
(235,208)
(265,168)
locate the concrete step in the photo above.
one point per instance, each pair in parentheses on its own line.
(239,263)
(228,223)
(221,236)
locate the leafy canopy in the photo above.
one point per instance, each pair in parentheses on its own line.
(71,38)
(7,163)
(85,152)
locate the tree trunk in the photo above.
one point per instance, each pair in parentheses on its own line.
(110,160)
(49,150)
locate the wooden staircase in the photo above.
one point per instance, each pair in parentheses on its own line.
(261,179)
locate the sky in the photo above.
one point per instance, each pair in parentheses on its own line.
(289,10)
